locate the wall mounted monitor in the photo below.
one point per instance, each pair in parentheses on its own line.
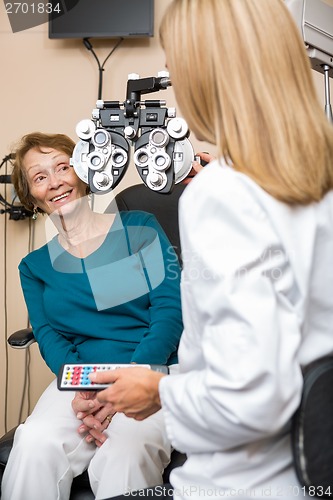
(101,19)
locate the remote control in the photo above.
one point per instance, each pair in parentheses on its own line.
(75,377)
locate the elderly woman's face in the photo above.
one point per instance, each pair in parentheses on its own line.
(52,181)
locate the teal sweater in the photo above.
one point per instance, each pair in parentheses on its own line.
(121,304)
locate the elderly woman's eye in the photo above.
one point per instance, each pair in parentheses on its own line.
(63,168)
(39,178)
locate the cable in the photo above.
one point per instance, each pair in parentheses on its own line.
(5,203)
(26,386)
(9,157)
(5,325)
(31,247)
(88,45)
(16,212)
(4,180)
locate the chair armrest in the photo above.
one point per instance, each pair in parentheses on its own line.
(177,460)
(6,443)
(21,339)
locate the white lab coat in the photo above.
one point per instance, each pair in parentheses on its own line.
(257,299)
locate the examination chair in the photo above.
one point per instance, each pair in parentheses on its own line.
(165,209)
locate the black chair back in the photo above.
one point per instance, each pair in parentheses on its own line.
(163,206)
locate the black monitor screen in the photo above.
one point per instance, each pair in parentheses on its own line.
(101,18)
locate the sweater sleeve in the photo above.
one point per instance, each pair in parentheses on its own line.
(162,270)
(53,347)
(68,325)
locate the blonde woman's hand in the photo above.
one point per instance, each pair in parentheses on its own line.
(133,391)
(197,166)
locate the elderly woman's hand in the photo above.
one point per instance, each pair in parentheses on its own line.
(95,416)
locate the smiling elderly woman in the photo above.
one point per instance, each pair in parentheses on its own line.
(91,298)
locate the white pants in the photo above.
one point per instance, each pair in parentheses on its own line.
(48,452)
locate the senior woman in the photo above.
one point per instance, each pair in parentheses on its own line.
(105,289)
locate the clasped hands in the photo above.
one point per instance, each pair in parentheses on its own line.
(95,416)
(132,391)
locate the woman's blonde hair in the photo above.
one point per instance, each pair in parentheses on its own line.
(243,81)
(35,140)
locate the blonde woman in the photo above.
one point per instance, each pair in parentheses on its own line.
(257,241)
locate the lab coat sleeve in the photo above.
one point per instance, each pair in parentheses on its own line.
(239,347)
